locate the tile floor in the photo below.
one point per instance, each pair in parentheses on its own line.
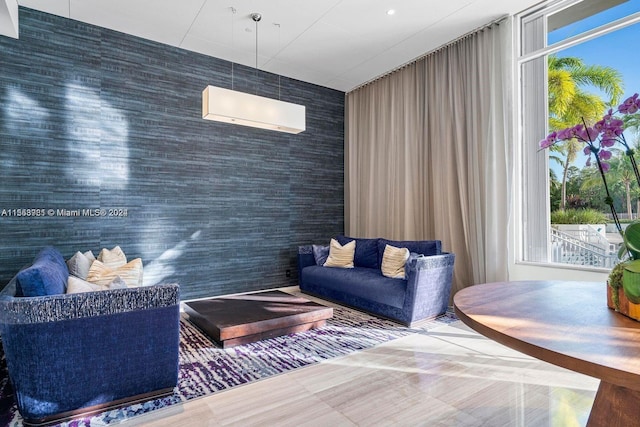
(448,376)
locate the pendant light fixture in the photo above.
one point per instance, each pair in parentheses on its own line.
(230,106)
(9,25)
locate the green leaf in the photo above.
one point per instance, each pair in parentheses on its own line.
(622,252)
(633,266)
(632,239)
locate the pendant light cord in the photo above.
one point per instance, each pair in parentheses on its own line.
(256,18)
(233,12)
(256,76)
(279,48)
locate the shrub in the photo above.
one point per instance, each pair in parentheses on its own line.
(578,216)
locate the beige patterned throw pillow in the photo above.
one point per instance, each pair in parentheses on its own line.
(131,273)
(341,256)
(393,262)
(113,258)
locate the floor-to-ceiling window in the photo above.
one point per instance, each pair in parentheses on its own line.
(576,60)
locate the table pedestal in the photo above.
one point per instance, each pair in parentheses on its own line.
(615,406)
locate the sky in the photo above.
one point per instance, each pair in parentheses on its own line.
(617,50)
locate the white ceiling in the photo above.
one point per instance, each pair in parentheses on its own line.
(334,43)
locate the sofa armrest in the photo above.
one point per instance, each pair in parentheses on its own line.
(424,262)
(428,285)
(305,258)
(51,308)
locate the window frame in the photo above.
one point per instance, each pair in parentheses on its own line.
(532,165)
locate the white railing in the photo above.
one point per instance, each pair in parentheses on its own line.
(569,249)
(621,215)
(588,233)
(592,235)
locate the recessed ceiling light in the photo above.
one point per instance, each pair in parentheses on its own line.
(391,12)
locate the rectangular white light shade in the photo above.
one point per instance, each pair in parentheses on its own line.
(230,106)
(9,18)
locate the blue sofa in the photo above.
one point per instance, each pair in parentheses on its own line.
(424,293)
(70,354)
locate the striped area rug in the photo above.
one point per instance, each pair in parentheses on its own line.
(206,368)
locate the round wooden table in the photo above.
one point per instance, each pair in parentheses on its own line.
(567,324)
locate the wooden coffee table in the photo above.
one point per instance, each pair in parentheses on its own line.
(247,318)
(567,324)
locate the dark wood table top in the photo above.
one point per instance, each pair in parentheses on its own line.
(561,322)
(245,318)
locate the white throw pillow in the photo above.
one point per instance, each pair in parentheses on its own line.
(341,256)
(113,258)
(394,261)
(80,263)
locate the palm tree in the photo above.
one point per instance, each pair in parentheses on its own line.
(570,104)
(632,125)
(632,122)
(554,191)
(635,193)
(621,172)
(591,186)
(621,178)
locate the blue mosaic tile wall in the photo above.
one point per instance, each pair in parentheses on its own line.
(102,143)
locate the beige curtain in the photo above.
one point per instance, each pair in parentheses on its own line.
(428,154)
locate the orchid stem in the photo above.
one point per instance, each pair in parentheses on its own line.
(609,199)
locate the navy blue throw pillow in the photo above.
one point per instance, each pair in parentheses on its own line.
(320,254)
(47,275)
(366,251)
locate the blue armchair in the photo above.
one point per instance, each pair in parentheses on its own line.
(70,354)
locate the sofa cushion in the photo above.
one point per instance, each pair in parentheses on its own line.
(113,258)
(423,247)
(76,285)
(80,263)
(131,273)
(366,251)
(339,255)
(320,254)
(46,276)
(361,282)
(393,262)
